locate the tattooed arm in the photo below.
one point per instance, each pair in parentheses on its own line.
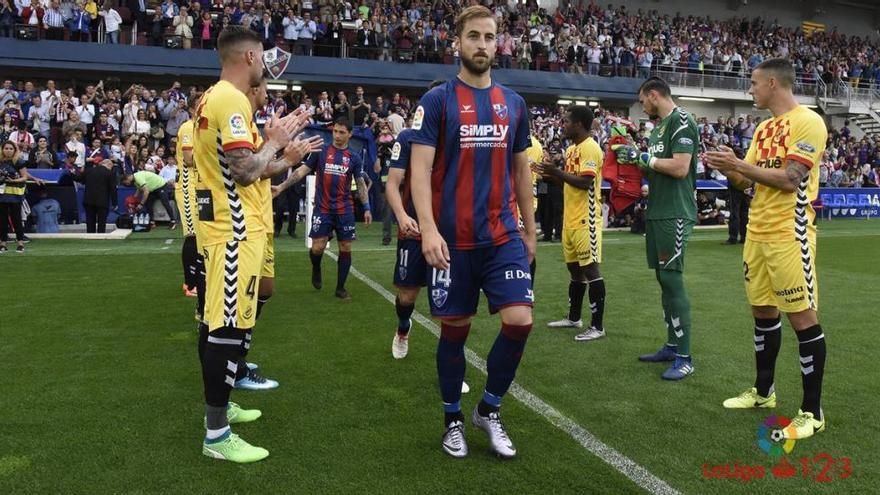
(247,166)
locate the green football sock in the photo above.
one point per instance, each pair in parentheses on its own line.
(678,309)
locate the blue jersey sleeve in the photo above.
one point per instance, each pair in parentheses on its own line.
(521,139)
(428,117)
(312,160)
(358,166)
(400,152)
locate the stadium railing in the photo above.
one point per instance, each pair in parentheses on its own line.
(722,80)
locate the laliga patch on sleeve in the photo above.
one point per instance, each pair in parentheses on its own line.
(237,127)
(418,118)
(686,141)
(591,164)
(187,139)
(806,147)
(395,151)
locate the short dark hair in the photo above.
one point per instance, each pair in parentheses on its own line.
(435,83)
(343,121)
(472,12)
(655,84)
(780,68)
(582,115)
(231,36)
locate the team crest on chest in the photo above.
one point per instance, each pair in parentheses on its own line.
(500,110)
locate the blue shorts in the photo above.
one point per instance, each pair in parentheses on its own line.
(411,270)
(323,224)
(501,271)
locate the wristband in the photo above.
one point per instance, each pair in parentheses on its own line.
(652,162)
(366,206)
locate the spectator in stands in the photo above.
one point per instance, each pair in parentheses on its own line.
(100,192)
(151,187)
(75,145)
(79,23)
(157,30)
(266,29)
(140,126)
(7,128)
(85,110)
(306,29)
(291,33)
(178,116)
(169,10)
(404,40)
(204,30)
(342,108)
(42,156)
(112,21)
(323,109)
(183,24)
(361,108)
(7,93)
(8,13)
(96,153)
(33,15)
(71,124)
(23,139)
(38,117)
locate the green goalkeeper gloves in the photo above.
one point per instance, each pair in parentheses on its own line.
(631,155)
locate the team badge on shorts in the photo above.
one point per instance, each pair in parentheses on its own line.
(439,297)
(401,272)
(275,61)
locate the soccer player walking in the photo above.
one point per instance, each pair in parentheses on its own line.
(582,221)
(231,231)
(779,256)
(670,167)
(470,173)
(335,168)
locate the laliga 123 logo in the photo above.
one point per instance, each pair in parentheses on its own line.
(771,438)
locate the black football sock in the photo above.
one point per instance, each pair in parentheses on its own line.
(576,290)
(811,345)
(768,339)
(261,300)
(403,316)
(343,265)
(597,302)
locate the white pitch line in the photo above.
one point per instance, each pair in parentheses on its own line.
(629,468)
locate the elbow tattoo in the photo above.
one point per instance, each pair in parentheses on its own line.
(796,173)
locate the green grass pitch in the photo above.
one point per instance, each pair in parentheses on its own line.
(101,389)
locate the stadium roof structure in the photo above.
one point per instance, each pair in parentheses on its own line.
(53,58)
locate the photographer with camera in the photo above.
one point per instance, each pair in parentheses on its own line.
(13,176)
(384,155)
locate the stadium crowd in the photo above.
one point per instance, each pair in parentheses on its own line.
(135,127)
(582,38)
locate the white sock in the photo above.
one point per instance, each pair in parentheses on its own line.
(215,434)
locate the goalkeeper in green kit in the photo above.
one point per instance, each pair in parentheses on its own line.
(670,167)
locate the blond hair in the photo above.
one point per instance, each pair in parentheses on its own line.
(15,156)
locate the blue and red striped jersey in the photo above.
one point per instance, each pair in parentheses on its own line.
(475,133)
(400,155)
(334,170)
